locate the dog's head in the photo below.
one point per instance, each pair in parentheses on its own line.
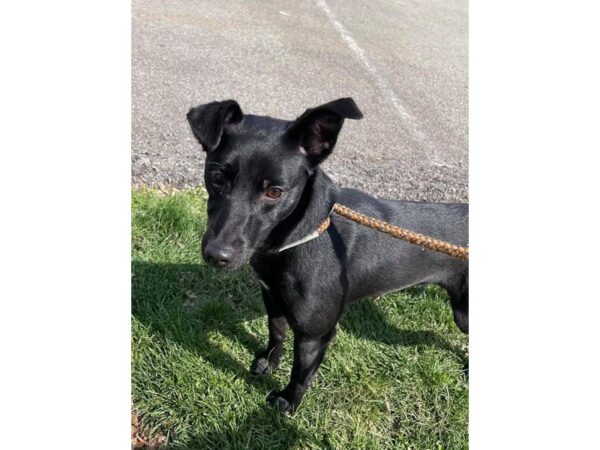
(256,170)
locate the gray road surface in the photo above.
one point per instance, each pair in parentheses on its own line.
(405,62)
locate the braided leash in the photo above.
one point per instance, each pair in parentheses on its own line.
(401,233)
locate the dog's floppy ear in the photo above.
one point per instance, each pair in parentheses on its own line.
(316,130)
(208,121)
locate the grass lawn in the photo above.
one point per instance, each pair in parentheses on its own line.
(393,379)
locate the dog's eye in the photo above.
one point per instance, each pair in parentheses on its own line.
(217,177)
(274,192)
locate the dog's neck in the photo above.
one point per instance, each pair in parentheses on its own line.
(316,202)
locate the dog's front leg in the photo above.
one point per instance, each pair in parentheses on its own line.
(268,359)
(308,354)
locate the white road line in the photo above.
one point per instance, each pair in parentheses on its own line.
(384,87)
(348,39)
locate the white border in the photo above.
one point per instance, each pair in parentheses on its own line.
(534,128)
(65,224)
(64,233)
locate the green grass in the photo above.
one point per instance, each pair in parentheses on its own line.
(393,379)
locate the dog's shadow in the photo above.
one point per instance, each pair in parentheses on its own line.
(365,320)
(188,303)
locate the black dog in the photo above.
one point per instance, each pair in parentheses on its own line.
(268,196)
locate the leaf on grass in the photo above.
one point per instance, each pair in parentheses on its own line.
(140,439)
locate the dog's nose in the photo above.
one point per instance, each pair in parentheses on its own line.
(219,256)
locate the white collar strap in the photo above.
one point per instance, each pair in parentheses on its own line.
(315,234)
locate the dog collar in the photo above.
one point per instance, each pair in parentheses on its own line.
(315,234)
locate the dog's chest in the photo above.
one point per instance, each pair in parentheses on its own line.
(280,283)
(264,272)
(269,278)
(261,281)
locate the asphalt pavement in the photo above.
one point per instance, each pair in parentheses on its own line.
(404,62)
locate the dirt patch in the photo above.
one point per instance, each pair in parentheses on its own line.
(140,438)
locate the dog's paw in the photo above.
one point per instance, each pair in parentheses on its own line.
(266,362)
(276,400)
(259,366)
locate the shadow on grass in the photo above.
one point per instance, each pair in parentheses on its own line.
(189,303)
(260,429)
(364,319)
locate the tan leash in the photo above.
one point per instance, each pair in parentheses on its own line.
(400,233)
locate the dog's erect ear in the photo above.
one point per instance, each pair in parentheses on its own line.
(208,121)
(316,130)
